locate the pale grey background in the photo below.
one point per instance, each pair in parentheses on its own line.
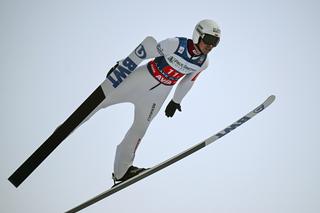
(53,54)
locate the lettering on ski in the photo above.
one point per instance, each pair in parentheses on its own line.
(146,49)
(175,158)
(120,73)
(232,126)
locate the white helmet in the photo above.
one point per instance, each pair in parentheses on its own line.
(207,30)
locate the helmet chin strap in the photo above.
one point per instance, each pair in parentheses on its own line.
(198,48)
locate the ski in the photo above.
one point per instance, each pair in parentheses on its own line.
(146,49)
(57,137)
(176,158)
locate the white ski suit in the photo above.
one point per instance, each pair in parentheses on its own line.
(147,87)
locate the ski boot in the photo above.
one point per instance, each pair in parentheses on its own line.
(131,172)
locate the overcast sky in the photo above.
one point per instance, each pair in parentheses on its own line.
(53,54)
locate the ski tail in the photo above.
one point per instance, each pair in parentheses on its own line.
(57,137)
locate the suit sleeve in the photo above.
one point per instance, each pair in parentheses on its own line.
(186,84)
(167,46)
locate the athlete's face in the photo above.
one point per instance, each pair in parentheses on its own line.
(205,48)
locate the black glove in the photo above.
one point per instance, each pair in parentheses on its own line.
(113,68)
(171,108)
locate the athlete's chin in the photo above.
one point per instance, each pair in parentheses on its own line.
(206,51)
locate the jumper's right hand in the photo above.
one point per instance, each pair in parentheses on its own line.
(113,68)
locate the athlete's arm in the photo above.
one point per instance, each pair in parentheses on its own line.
(182,89)
(186,84)
(167,46)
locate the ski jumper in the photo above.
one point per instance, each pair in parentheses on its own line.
(147,87)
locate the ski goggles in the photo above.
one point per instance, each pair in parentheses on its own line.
(210,39)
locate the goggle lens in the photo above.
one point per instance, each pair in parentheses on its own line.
(210,40)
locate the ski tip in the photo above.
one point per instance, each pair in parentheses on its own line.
(269,100)
(272,98)
(265,104)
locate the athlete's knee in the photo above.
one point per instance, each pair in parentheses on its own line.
(140,128)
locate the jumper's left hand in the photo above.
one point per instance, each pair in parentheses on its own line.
(171,108)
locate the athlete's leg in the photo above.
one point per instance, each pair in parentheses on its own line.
(145,111)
